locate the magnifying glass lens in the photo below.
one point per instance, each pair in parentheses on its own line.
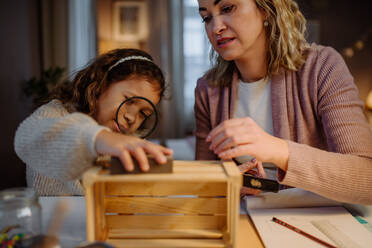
(137,116)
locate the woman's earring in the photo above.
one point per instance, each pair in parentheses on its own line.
(266,23)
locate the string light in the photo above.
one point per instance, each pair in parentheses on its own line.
(369,101)
(358,45)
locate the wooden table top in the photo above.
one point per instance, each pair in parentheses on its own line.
(247,235)
(73,230)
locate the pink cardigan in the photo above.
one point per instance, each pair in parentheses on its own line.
(318,111)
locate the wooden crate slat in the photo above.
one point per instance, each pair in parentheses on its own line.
(165,222)
(167,243)
(164,177)
(160,205)
(231,169)
(164,233)
(166,188)
(180,167)
(187,163)
(99,210)
(234,214)
(90,213)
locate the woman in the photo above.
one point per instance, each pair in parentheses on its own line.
(273,97)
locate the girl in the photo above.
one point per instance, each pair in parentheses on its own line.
(273,97)
(62,138)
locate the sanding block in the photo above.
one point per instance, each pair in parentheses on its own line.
(115,166)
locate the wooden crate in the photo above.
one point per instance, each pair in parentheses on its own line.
(195,206)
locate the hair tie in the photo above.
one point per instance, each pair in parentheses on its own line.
(129,58)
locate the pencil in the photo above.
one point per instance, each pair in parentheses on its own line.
(299,231)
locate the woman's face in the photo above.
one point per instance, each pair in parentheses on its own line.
(136,111)
(234,27)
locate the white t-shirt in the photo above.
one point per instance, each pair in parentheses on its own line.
(254,101)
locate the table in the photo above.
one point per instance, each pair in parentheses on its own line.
(73,230)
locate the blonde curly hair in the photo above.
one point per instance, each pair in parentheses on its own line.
(286,42)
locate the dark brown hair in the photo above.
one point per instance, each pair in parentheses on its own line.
(89,83)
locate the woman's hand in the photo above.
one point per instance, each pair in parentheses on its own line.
(242,136)
(259,172)
(125,147)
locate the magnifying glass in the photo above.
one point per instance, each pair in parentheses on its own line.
(137,116)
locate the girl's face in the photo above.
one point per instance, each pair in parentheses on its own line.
(116,93)
(234,27)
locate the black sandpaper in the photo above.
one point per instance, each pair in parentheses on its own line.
(115,166)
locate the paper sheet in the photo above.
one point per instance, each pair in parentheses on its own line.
(274,235)
(299,208)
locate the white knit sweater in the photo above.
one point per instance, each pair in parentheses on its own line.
(57,147)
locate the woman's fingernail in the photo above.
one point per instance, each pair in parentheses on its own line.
(253,160)
(208,138)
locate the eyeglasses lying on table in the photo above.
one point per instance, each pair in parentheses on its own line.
(264,184)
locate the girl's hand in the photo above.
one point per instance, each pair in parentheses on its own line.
(125,147)
(250,168)
(242,136)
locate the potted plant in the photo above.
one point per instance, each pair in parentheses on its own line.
(39,89)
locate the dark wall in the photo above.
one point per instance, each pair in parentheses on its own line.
(19,61)
(342,24)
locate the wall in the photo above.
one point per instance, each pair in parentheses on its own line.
(54,33)
(19,61)
(165,52)
(105,32)
(342,23)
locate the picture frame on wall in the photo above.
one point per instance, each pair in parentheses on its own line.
(130,21)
